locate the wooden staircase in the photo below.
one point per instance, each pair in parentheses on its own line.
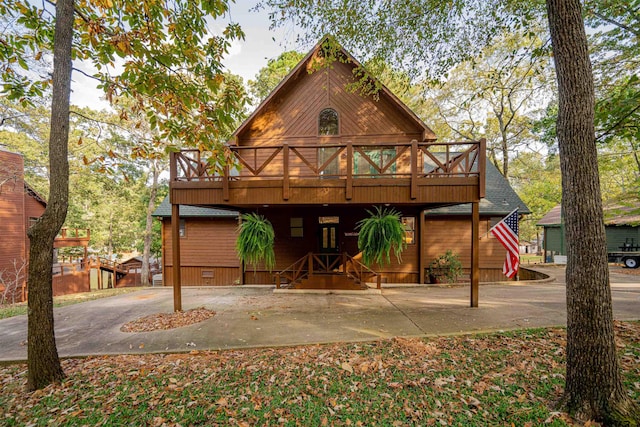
(327,271)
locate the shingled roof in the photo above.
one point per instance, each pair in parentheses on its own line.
(500,199)
(613,215)
(164,211)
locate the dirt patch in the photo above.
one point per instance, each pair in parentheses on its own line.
(164,321)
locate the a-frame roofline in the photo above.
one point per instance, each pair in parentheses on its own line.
(427,133)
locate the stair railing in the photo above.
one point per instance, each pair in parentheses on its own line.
(360,272)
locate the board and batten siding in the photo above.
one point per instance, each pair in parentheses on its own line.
(442,234)
(12,211)
(291,116)
(619,235)
(207,252)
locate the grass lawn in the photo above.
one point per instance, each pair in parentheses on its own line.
(11,310)
(502,379)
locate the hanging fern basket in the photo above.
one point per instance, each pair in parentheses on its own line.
(379,234)
(255,241)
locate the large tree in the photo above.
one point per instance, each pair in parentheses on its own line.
(160,53)
(593,385)
(434,35)
(43,362)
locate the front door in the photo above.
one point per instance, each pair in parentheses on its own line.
(328,235)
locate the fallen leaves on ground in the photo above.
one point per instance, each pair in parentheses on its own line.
(501,379)
(629,271)
(163,321)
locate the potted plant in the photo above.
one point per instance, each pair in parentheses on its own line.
(446,268)
(379,234)
(256,241)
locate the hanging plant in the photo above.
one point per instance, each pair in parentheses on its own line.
(255,241)
(379,234)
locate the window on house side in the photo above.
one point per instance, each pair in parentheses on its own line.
(183,228)
(409,223)
(32,221)
(297,229)
(328,122)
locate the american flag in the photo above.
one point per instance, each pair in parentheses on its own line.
(506,231)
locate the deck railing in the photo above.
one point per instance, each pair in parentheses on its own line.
(74,233)
(314,263)
(348,161)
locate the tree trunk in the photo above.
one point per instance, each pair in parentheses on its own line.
(43,362)
(593,383)
(146,252)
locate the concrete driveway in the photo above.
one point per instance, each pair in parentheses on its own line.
(255,316)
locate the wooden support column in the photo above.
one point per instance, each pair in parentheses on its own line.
(175,247)
(225,183)
(419,234)
(482,167)
(414,169)
(285,171)
(475,252)
(349,183)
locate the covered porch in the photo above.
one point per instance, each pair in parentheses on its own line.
(322,191)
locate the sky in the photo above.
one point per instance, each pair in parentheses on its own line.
(245,58)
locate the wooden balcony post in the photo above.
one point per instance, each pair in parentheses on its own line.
(285,171)
(310,263)
(277,280)
(175,247)
(173,166)
(349,183)
(422,265)
(475,252)
(414,169)
(379,281)
(225,183)
(482,164)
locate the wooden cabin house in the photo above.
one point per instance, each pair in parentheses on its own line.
(20,205)
(313,158)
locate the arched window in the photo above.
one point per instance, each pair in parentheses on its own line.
(328,122)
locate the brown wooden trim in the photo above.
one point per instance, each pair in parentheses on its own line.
(225,183)
(422,265)
(285,171)
(482,166)
(175,247)
(349,187)
(475,252)
(414,169)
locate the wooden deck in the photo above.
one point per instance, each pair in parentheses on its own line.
(70,237)
(411,173)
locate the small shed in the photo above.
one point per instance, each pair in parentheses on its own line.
(622,228)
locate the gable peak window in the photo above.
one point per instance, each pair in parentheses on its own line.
(328,122)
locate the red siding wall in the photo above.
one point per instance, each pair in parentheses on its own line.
(12,210)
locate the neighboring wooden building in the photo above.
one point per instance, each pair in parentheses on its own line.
(313,158)
(622,229)
(20,205)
